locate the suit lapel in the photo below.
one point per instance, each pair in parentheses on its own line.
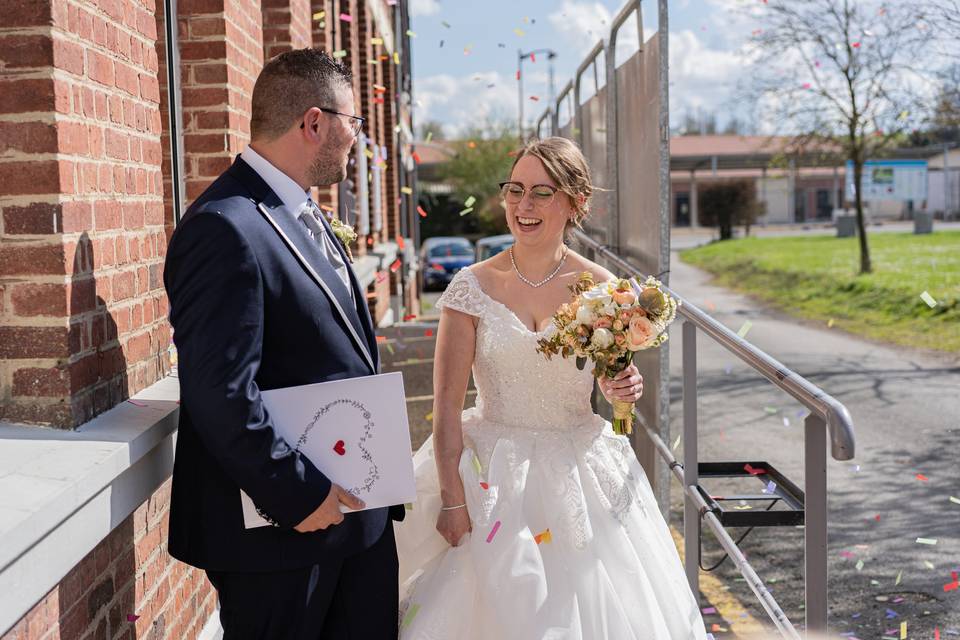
(305,249)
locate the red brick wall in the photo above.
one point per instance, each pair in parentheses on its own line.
(286,26)
(221,53)
(128,574)
(82,320)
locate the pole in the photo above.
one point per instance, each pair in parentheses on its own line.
(946,181)
(520,94)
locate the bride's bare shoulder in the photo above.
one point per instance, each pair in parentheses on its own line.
(490,271)
(581,264)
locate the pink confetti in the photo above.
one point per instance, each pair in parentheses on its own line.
(132,618)
(708,610)
(139,404)
(493,532)
(346,17)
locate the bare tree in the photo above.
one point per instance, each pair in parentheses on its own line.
(848,73)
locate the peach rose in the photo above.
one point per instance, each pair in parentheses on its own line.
(624,297)
(618,325)
(603,322)
(640,333)
(620,339)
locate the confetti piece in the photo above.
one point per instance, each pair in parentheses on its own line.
(339,53)
(476,464)
(771,410)
(533,57)
(709,610)
(926,297)
(786,421)
(518,74)
(408,506)
(416,157)
(136,403)
(954,500)
(543,537)
(899,576)
(903,630)
(466,211)
(395,266)
(396,58)
(346,17)
(411,33)
(339,448)
(676,442)
(376,41)
(493,532)
(411,614)
(469,201)
(429,417)
(744,329)
(519,32)
(535,98)
(466,49)
(484,486)
(429,136)
(445,23)
(930,541)
(428,333)
(922,478)
(752,471)
(319,15)
(856,45)
(859,565)
(771,487)
(390,348)
(830,323)
(423,214)
(406,190)
(928,565)
(132,617)
(952,586)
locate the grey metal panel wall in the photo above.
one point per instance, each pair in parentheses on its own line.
(593,136)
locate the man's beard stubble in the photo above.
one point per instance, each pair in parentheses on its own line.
(326,170)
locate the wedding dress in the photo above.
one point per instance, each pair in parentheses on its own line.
(567,540)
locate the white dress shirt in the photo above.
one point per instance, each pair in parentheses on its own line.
(294,198)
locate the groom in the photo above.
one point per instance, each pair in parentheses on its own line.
(262,297)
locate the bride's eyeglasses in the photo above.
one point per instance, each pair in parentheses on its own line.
(540,194)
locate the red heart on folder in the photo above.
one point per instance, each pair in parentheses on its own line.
(339,448)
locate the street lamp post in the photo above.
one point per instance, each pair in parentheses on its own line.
(521,56)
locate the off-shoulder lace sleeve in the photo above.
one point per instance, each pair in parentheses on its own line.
(463,294)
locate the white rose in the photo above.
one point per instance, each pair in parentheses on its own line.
(602,338)
(585,315)
(599,294)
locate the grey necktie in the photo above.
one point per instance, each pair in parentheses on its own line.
(309,216)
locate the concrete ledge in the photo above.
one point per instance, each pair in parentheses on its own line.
(63,492)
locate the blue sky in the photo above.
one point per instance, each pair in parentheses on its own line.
(453,88)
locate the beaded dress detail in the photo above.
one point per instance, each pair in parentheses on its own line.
(567,541)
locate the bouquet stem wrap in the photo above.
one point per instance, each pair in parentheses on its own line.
(622,418)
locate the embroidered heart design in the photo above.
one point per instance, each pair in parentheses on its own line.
(339,448)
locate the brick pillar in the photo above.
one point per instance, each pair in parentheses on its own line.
(82,311)
(286,26)
(391,180)
(221,53)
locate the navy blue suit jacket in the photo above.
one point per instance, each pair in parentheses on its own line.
(248,316)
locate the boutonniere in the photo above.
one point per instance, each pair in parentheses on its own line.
(345,234)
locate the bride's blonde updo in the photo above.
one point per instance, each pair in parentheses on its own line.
(566,166)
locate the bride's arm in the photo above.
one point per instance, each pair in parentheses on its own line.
(453,359)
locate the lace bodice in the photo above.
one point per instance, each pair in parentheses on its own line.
(515,382)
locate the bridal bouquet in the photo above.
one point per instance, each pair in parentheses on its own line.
(607,323)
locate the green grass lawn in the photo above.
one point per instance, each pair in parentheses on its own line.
(816,277)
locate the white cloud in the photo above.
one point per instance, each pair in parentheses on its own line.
(582,24)
(465,101)
(701,77)
(424,7)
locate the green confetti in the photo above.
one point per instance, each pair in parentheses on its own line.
(476,464)
(676,442)
(929,299)
(445,23)
(745,329)
(466,211)
(930,541)
(771,410)
(411,614)
(340,53)
(899,576)
(954,500)
(390,348)
(411,33)
(928,565)
(408,506)
(859,565)
(429,136)
(469,201)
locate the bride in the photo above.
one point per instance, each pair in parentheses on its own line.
(533,519)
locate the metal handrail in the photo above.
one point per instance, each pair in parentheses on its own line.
(839,422)
(563,95)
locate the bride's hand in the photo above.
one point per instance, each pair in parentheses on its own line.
(626,386)
(453,524)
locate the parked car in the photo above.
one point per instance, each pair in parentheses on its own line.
(442,257)
(489,247)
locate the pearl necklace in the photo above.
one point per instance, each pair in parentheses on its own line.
(550,277)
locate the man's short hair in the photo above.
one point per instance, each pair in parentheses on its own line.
(291,83)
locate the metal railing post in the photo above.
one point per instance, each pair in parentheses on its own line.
(815,521)
(691,516)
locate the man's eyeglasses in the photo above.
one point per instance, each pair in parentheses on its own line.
(541,194)
(356,122)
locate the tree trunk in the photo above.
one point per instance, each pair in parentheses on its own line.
(865,266)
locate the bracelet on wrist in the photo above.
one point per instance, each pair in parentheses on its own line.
(454,508)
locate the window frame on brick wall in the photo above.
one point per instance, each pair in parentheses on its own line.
(175,114)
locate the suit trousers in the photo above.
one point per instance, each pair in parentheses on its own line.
(353,598)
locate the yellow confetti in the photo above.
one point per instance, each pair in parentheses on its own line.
(411,33)
(396,58)
(928,565)
(368,153)
(466,211)
(373,61)
(469,201)
(676,443)
(476,464)
(429,136)
(543,537)
(340,53)
(429,417)
(411,614)
(930,541)
(744,329)
(406,190)
(319,15)
(899,576)
(376,40)
(903,630)
(408,506)
(519,32)
(929,299)
(954,500)
(830,323)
